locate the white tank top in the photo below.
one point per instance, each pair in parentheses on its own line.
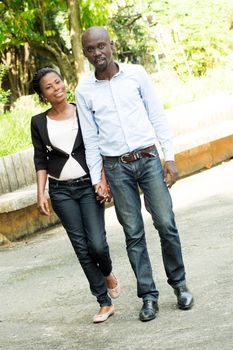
(62,134)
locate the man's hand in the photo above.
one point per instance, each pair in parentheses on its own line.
(170,173)
(43,205)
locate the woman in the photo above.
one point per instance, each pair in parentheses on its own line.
(59,155)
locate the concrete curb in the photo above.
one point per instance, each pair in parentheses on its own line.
(204,156)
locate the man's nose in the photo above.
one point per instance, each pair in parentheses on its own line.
(97,51)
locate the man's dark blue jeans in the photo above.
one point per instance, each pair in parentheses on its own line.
(82,216)
(125,179)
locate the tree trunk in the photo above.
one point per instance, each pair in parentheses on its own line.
(75,35)
(19,71)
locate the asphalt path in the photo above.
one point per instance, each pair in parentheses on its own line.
(45,302)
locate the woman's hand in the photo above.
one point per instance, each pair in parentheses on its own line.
(42,202)
(43,205)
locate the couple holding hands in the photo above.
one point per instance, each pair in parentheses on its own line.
(101,147)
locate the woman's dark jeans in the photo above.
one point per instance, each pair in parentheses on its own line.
(82,216)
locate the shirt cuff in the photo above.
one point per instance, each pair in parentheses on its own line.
(169,153)
(95,179)
(95,174)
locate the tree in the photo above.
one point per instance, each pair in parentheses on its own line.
(75,35)
(29,31)
(33,32)
(130,27)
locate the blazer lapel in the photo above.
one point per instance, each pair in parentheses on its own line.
(79,139)
(44,129)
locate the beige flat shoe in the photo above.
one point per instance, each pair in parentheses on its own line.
(103,317)
(114,293)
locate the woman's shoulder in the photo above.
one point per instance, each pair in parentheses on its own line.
(39,116)
(75,107)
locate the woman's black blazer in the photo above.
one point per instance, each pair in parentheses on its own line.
(50,158)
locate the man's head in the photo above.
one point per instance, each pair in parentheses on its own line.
(97,48)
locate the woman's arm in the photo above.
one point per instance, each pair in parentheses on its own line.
(42,202)
(40,151)
(40,161)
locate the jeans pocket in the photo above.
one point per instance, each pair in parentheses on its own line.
(110,165)
(153,154)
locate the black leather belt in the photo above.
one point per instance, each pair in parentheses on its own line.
(71,181)
(135,155)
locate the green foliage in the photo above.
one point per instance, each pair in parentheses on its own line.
(27,20)
(131,29)
(70,95)
(94,12)
(4,95)
(15,132)
(200,38)
(199,34)
(173,91)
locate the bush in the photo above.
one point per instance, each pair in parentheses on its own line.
(15,132)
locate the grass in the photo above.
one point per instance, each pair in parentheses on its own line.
(173,91)
(15,125)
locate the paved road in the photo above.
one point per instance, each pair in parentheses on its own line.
(45,302)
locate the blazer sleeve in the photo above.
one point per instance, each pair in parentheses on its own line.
(40,151)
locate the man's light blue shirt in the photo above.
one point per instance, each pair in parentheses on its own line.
(120,115)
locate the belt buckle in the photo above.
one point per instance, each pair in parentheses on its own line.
(137,155)
(81,179)
(70,181)
(124,155)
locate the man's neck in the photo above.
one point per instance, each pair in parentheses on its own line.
(108,73)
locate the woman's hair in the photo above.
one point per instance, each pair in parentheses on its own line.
(37,78)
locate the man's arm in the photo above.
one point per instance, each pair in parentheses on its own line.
(159,121)
(91,142)
(156,114)
(90,138)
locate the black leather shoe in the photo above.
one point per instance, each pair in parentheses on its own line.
(184,297)
(148,310)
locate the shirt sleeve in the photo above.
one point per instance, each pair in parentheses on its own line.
(156,115)
(90,138)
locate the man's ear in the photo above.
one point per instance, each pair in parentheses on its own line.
(112,44)
(83,52)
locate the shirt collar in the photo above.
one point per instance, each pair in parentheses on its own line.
(121,70)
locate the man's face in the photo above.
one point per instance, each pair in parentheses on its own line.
(97,48)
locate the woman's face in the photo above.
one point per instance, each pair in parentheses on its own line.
(53,88)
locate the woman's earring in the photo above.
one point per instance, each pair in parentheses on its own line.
(44,99)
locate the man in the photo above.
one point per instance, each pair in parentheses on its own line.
(120,118)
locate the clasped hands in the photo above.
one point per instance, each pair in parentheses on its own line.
(103,192)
